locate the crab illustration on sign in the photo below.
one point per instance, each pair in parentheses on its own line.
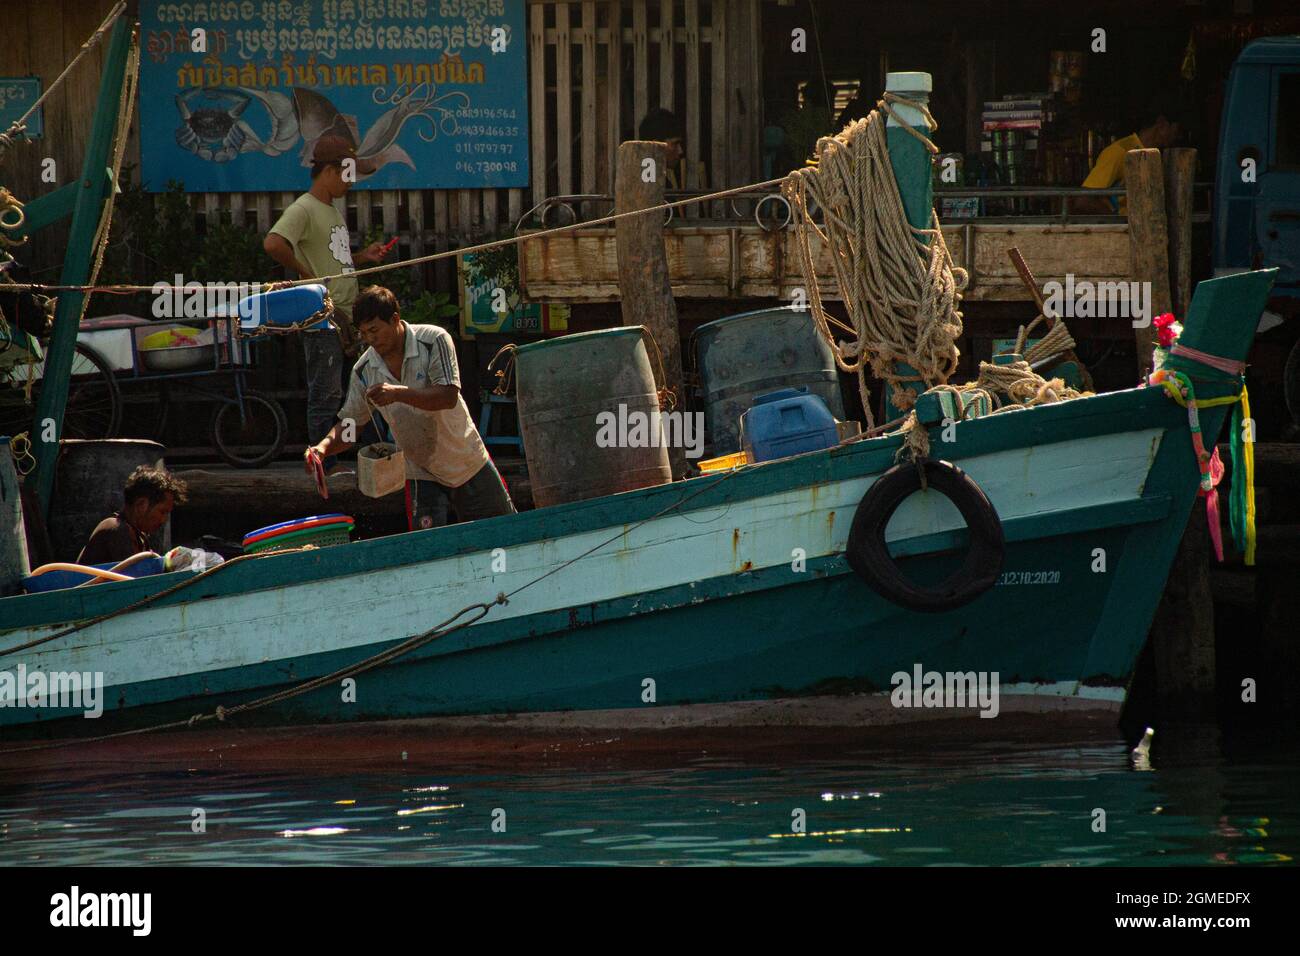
(213,126)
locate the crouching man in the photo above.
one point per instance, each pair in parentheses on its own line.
(408,383)
(148,498)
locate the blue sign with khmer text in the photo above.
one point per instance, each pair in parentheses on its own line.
(433,94)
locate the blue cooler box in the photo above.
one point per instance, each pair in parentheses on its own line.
(787,422)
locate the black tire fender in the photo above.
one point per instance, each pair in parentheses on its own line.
(869,556)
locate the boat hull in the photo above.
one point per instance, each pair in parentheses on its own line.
(713,590)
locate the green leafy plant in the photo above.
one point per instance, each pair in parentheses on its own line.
(401,282)
(155,237)
(433,308)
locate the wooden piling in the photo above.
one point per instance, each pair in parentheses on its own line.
(643,265)
(1179,171)
(1182,634)
(1160,229)
(1148,234)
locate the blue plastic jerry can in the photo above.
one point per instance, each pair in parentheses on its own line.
(787,422)
(283,307)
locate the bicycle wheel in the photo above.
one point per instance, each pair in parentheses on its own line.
(94,405)
(255,440)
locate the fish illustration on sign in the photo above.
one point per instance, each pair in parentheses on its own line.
(213,126)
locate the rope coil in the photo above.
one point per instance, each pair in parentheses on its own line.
(898,283)
(505,376)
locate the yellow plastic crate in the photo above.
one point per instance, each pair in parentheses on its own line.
(726,462)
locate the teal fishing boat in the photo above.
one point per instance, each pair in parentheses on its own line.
(729,587)
(1026,549)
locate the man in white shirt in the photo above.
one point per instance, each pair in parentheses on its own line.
(407,381)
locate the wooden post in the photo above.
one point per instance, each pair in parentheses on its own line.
(1148,235)
(1180,169)
(643,264)
(1182,634)
(86,214)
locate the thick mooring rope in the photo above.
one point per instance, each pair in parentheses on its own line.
(897,282)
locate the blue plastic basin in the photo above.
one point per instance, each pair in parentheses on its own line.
(58,580)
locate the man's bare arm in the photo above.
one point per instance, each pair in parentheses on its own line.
(281,250)
(431,398)
(331,444)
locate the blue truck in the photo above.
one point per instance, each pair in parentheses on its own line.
(1257,191)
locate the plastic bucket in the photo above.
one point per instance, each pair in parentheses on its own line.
(381,469)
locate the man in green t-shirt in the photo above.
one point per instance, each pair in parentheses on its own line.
(311,238)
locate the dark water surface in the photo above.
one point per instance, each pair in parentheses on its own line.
(939,801)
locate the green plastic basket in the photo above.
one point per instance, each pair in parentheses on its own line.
(321,537)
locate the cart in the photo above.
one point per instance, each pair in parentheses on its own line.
(247,428)
(112,368)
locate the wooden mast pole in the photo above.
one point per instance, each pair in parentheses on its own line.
(86,212)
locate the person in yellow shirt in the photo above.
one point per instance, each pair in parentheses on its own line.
(311,239)
(1156,130)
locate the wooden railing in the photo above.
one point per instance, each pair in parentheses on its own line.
(589,93)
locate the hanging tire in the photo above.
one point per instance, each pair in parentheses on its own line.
(256,440)
(869,556)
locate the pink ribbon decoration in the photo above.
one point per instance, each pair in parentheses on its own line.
(1212,504)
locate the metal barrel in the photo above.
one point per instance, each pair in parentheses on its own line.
(747,355)
(570,390)
(88,488)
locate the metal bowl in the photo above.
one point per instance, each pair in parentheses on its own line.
(179,358)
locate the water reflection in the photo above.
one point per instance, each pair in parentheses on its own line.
(944,805)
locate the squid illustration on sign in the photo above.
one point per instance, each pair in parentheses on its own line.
(213,126)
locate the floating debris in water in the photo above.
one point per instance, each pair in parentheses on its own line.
(830,833)
(1141,754)
(440,806)
(871,795)
(317,831)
